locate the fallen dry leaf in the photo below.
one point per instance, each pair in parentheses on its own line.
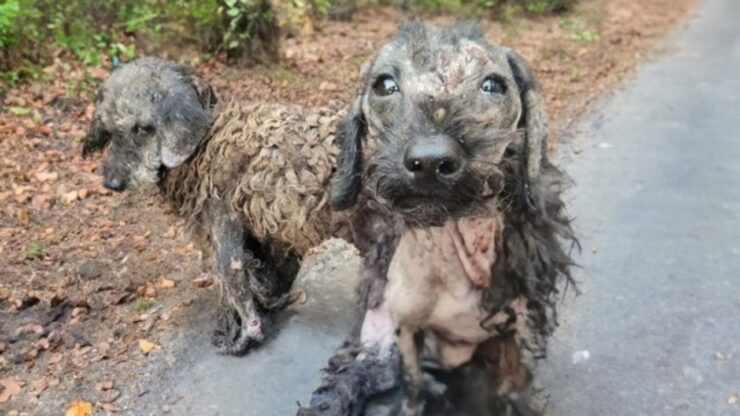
(69,197)
(165,283)
(79,407)
(146,346)
(202,282)
(105,385)
(41,202)
(79,310)
(110,395)
(39,386)
(46,176)
(10,389)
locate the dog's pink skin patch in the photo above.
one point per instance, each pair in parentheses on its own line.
(472,239)
(436,281)
(378,328)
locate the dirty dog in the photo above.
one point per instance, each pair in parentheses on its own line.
(251,178)
(448,139)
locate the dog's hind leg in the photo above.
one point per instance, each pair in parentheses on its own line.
(240,324)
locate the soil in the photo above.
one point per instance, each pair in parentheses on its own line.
(94,285)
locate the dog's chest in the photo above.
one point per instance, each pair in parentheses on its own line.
(438,276)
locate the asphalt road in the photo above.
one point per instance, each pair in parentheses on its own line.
(658,199)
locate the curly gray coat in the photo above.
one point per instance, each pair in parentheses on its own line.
(251,178)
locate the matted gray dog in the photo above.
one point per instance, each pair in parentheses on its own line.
(447,137)
(446,190)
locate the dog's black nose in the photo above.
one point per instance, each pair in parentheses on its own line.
(436,158)
(115,183)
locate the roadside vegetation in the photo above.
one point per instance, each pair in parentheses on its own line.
(33,33)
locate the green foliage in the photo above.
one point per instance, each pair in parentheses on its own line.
(35,251)
(9,11)
(504,8)
(142,304)
(578,33)
(250,29)
(34,31)
(31,31)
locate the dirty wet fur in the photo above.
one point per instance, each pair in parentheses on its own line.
(508,176)
(252,180)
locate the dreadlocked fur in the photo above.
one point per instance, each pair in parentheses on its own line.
(429,69)
(272,164)
(252,179)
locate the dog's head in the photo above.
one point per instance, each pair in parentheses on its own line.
(437,110)
(152,114)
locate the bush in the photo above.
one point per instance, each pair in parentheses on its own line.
(474,7)
(32,30)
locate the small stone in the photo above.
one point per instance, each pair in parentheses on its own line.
(581,356)
(88,270)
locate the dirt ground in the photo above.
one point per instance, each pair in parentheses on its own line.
(94,285)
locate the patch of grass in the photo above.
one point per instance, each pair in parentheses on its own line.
(574,74)
(577,32)
(358,60)
(142,304)
(509,12)
(35,251)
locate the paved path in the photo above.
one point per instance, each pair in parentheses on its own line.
(658,199)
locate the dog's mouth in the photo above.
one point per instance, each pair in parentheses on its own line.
(435,208)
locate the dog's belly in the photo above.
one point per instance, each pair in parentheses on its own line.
(437,278)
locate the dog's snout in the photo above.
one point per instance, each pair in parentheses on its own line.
(114,183)
(433,159)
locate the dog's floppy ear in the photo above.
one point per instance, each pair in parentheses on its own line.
(533,119)
(206,94)
(184,119)
(347,182)
(97,136)
(96,139)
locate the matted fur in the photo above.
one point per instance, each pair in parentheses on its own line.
(434,67)
(272,163)
(251,178)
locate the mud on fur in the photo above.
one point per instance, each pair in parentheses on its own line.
(252,179)
(447,137)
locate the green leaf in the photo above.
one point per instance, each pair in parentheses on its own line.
(233,44)
(230,3)
(232,12)
(19,111)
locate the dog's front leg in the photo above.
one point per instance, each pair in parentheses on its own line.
(240,325)
(412,374)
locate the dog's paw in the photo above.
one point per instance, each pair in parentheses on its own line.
(412,408)
(239,332)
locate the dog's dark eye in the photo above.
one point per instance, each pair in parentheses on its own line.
(385,85)
(143,130)
(493,86)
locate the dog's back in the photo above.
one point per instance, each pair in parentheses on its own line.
(272,162)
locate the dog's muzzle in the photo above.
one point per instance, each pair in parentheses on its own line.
(432,162)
